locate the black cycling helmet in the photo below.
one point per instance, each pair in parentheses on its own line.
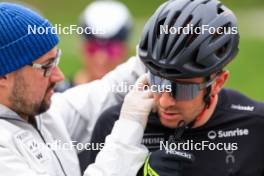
(106,20)
(188,55)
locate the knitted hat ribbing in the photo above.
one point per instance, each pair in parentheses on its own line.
(19,43)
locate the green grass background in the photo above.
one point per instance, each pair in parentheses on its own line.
(247,69)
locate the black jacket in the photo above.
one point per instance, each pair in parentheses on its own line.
(236,119)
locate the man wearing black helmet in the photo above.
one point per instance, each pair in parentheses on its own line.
(220,130)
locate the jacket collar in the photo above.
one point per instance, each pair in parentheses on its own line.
(6,113)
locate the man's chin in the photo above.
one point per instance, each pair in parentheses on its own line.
(169,123)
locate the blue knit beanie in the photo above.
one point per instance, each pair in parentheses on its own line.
(19,43)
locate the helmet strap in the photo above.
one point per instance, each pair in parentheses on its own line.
(207,96)
(208,99)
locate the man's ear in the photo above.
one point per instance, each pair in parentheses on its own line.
(6,79)
(3,81)
(219,82)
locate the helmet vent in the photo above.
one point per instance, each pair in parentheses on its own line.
(184,41)
(171,71)
(192,37)
(174,19)
(222,51)
(224,29)
(188,21)
(161,23)
(152,65)
(144,45)
(219,9)
(194,55)
(161,69)
(205,2)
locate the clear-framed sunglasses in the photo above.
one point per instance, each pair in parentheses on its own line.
(49,65)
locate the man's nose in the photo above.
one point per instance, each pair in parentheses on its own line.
(56,75)
(166,100)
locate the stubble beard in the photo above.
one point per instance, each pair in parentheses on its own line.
(21,103)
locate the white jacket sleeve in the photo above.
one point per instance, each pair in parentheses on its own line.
(81,106)
(122,154)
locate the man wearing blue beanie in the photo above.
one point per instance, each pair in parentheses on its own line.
(42,133)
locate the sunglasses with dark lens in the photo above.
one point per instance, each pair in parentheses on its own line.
(179,91)
(49,65)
